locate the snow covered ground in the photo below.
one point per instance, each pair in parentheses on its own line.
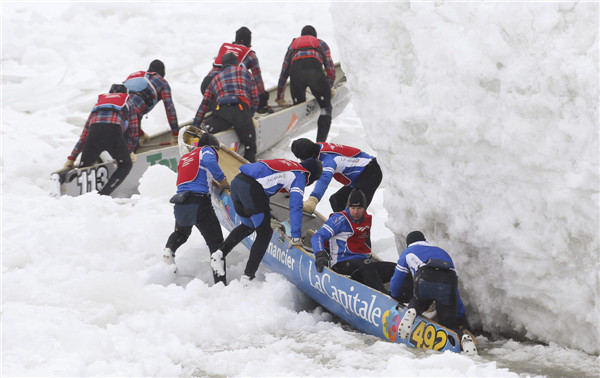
(484,118)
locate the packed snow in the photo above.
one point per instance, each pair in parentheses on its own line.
(484,117)
(491,124)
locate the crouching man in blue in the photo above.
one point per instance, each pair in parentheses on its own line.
(350,166)
(348,234)
(434,278)
(193,206)
(250,192)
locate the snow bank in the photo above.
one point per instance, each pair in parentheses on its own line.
(487,132)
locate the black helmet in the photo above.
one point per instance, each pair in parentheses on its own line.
(158,67)
(309,30)
(243,36)
(229,59)
(208,139)
(413,237)
(305,148)
(314,167)
(356,199)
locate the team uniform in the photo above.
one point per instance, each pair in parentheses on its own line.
(250,192)
(233,99)
(349,166)
(303,64)
(432,272)
(348,242)
(112,127)
(147,89)
(248,59)
(195,172)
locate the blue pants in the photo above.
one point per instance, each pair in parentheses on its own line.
(251,203)
(440,286)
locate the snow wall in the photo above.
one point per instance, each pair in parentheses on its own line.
(484,117)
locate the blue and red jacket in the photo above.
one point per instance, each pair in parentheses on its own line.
(283,175)
(197,169)
(305,47)
(347,238)
(246,57)
(150,88)
(233,81)
(342,163)
(414,257)
(117,109)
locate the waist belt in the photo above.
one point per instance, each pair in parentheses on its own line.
(233,100)
(227,100)
(188,197)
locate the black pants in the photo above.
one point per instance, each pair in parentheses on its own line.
(197,211)
(107,137)
(372,273)
(308,72)
(239,117)
(439,286)
(368,181)
(252,205)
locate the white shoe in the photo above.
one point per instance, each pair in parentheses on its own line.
(245,280)
(217,263)
(406,323)
(169,259)
(169,256)
(468,345)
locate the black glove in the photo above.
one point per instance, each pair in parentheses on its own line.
(321,260)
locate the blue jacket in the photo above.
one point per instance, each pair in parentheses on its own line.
(411,259)
(348,167)
(196,170)
(273,181)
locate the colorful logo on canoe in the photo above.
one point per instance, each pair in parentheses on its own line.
(390,321)
(424,335)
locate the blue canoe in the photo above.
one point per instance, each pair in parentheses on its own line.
(365,309)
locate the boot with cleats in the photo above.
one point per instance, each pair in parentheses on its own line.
(468,345)
(406,323)
(169,256)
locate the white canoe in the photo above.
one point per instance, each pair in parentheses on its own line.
(272,128)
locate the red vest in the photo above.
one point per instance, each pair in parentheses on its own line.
(357,243)
(240,52)
(115,101)
(283,165)
(189,164)
(136,74)
(342,150)
(139,83)
(305,42)
(339,149)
